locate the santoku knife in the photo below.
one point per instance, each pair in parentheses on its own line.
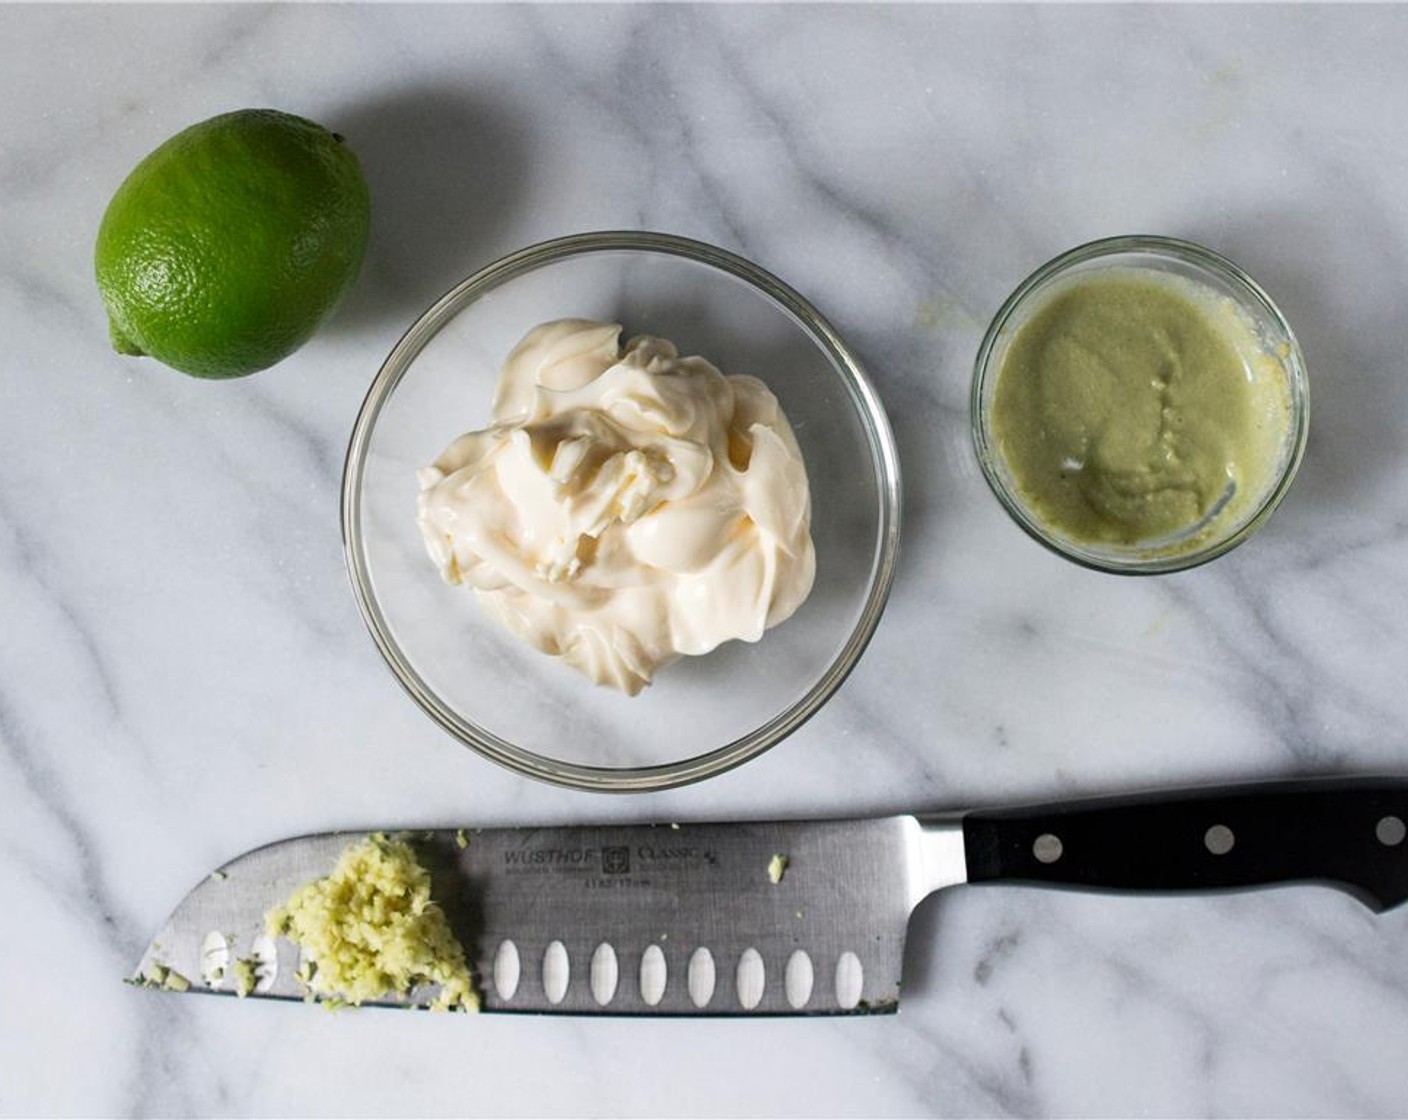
(686,919)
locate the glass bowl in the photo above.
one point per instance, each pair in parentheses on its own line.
(1270,348)
(528,711)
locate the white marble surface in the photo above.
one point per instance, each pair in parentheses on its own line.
(183,674)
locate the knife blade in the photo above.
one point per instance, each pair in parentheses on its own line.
(782,917)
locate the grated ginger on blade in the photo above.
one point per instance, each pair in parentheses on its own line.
(370,930)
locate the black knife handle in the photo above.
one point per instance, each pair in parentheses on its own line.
(1345,832)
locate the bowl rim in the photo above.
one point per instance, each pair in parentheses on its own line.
(884,458)
(1201,259)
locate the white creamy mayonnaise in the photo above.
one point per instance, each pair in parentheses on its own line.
(627,506)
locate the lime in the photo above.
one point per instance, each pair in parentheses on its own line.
(225,248)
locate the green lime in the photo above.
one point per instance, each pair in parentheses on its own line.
(227,246)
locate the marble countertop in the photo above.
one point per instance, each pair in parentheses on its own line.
(184,675)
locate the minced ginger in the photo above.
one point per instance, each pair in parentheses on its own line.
(370,930)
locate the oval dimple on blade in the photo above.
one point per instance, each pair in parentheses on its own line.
(701,977)
(507,969)
(751,978)
(605,974)
(214,959)
(850,981)
(653,975)
(265,955)
(798,979)
(557,971)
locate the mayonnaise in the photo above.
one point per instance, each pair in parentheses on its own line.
(626,507)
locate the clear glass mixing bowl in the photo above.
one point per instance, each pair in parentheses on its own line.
(1275,345)
(702,715)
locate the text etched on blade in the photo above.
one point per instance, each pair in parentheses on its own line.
(608,866)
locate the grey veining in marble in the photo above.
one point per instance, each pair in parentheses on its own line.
(183,674)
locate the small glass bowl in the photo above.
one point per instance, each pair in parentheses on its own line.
(531,712)
(1214,535)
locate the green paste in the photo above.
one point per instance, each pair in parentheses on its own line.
(1137,408)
